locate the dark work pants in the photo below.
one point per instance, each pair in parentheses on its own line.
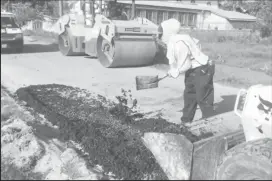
(199,90)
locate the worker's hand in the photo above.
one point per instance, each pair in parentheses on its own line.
(174,73)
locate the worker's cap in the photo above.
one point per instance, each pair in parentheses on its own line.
(168,28)
(171,26)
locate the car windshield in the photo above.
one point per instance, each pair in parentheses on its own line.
(8,22)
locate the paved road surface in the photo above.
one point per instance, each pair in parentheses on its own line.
(41,63)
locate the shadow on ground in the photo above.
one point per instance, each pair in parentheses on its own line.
(226,105)
(33,48)
(38,48)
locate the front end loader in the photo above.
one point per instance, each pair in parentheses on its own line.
(219,157)
(100,32)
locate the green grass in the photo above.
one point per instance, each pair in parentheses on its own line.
(255,56)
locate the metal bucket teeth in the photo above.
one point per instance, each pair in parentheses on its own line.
(126,52)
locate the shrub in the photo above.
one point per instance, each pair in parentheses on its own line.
(221,39)
(266,31)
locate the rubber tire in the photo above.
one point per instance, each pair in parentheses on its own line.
(248,161)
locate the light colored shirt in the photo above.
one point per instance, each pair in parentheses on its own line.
(183,53)
(178,56)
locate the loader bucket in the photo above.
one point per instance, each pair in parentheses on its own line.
(172,152)
(182,160)
(206,157)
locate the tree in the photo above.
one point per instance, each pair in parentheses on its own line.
(261,9)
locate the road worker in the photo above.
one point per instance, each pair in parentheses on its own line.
(185,57)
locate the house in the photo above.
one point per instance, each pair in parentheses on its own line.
(75,6)
(210,3)
(193,15)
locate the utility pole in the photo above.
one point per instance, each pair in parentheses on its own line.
(133,9)
(100,6)
(60,8)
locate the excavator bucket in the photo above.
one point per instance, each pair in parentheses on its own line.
(182,160)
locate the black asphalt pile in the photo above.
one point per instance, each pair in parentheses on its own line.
(102,128)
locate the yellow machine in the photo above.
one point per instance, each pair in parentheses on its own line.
(216,158)
(116,41)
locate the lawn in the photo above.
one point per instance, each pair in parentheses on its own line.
(254,56)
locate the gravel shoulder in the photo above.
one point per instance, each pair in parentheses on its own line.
(31,148)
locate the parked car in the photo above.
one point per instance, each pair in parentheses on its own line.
(11,33)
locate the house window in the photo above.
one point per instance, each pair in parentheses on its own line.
(171,15)
(143,13)
(176,16)
(160,17)
(138,13)
(192,19)
(128,11)
(182,18)
(165,15)
(154,17)
(149,15)
(185,19)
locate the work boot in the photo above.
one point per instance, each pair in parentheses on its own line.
(184,120)
(185,123)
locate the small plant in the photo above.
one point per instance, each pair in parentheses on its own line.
(125,108)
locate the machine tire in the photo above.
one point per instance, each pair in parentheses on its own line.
(248,161)
(19,50)
(65,50)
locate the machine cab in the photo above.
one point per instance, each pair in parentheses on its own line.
(254,106)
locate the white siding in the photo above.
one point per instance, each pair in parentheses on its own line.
(213,21)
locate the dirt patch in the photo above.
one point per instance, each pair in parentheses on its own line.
(20,151)
(31,150)
(86,119)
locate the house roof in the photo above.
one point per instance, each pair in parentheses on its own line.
(164,4)
(230,15)
(233,15)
